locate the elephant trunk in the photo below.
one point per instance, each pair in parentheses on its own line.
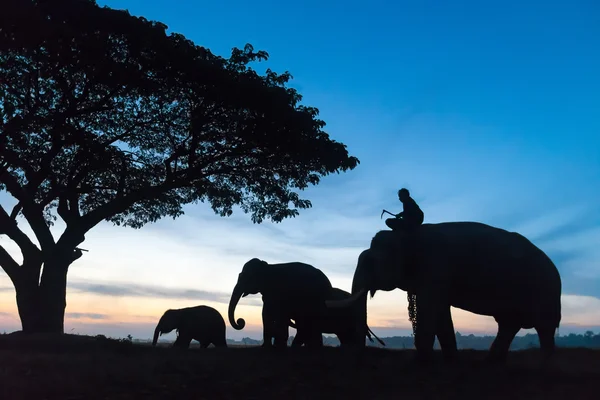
(235,297)
(157,332)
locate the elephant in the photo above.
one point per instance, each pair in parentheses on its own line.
(291,290)
(201,323)
(468,265)
(338,322)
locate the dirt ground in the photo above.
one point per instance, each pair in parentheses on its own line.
(79,367)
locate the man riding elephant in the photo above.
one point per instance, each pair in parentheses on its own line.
(409,219)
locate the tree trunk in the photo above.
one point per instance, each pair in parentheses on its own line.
(42,305)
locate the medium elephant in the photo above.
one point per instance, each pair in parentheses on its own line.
(468,265)
(340,322)
(292,290)
(201,323)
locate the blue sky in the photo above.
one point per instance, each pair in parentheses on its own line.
(486,111)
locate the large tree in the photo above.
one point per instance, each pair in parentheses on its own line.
(105,117)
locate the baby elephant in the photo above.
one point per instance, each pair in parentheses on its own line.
(201,323)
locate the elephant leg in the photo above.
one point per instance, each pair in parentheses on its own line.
(307,333)
(344,338)
(446,334)
(313,336)
(220,342)
(183,341)
(281,332)
(428,310)
(316,324)
(500,346)
(547,345)
(302,333)
(268,322)
(298,338)
(360,327)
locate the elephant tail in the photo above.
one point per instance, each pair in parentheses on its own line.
(370,332)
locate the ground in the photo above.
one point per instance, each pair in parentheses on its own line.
(78,367)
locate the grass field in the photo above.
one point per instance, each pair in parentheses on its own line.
(80,367)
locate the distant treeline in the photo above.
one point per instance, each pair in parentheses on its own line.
(530,340)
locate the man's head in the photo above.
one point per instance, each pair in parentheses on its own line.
(403,194)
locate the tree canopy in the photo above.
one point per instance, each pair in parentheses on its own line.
(106,117)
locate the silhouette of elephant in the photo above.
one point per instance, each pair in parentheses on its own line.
(292,290)
(201,323)
(340,322)
(468,265)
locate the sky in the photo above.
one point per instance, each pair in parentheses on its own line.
(485,111)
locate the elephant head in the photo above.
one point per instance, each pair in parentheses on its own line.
(386,263)
(169,321)
(380,267)
(250,281)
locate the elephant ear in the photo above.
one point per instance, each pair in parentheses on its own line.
(172,318)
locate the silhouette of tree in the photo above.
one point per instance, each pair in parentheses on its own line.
(105,117)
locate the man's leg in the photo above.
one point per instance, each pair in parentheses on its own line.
(395,224)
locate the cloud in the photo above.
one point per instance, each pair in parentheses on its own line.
(551,222)
(580,310)
(585,240)
(577,256)
(120,289)
(76,315)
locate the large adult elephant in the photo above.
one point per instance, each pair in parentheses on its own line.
(201,323)
(340,322)
(292,290)
(468,265)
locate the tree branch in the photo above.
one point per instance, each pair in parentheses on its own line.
(9,265)
(120,204)
(31,211)
(40,227)
(11,183)
(63,209)
(73,199)
(15,211)
(9,227)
